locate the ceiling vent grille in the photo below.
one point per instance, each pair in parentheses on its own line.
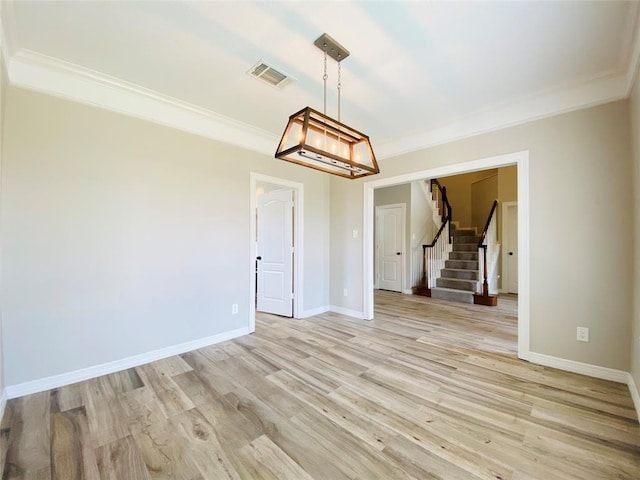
(269,75)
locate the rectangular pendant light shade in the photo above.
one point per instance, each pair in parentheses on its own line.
(315,140)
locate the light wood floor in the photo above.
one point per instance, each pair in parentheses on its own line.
(428,390)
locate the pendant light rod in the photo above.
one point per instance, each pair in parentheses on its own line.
(324,78)
(339,86)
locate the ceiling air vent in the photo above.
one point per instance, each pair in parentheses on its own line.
(270,75)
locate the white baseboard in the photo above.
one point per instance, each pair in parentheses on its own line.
(635,395)
(56,381)
(315,311)
(3,403)
(346,311)
(408,291)
(595,371)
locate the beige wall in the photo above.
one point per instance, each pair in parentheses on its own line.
(635,138)
(459,194)
(580,193)
(389,196)
(508,184)
(507,191)
(483,193)
(122,237)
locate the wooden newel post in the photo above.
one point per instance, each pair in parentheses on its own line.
(445,202)
(424,266)
(485,285)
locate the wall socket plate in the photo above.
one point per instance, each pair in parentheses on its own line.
(234,308)
(582,334)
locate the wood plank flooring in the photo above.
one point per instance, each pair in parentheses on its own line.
(428,390)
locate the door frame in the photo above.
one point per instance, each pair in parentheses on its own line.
(505,236)
(403,239)
(298,228)
(521,160)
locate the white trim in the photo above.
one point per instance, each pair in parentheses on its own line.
(403,239)
(521,159)
(298,241)
(55,77)
(608,88)
(35,71)
(504,242)
(56,381)
(634,54)
(3,403)
(635,395)
(315,311)
(587,369)
(408,291)
(524,260)
(346,311)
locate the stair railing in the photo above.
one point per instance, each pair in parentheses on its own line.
(435,253)
(440,196)
(488,241)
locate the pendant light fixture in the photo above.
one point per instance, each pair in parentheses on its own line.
(315,140)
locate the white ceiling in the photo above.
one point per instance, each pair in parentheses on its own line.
(419,73)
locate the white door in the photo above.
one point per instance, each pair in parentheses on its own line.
(275,253)
(390,238)
(511,248)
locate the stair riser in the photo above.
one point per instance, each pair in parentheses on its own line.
(466,239)
(469,256)
(457,284)
(461,264)
(463,233)
(460,274)
(465,247)
(461,297)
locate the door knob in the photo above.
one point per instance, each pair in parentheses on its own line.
(258,258)
(398,253)
(510,253)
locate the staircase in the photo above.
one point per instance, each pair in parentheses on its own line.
(459,279)
(451,267)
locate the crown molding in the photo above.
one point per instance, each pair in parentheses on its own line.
(634,55)
(602,90)
(34,71)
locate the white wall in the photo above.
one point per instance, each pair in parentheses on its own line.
(422,228)
(122,237)
(635,138)
(580,231)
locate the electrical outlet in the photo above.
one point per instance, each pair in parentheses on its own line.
(234,308)
(355,234)
(345,292)
(582,334)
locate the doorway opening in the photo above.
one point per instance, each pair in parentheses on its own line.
(519,159)
(276,254)
(390,247)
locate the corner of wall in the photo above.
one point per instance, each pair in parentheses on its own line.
(57,381)
(635,395)
(3,403)
(346,311)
